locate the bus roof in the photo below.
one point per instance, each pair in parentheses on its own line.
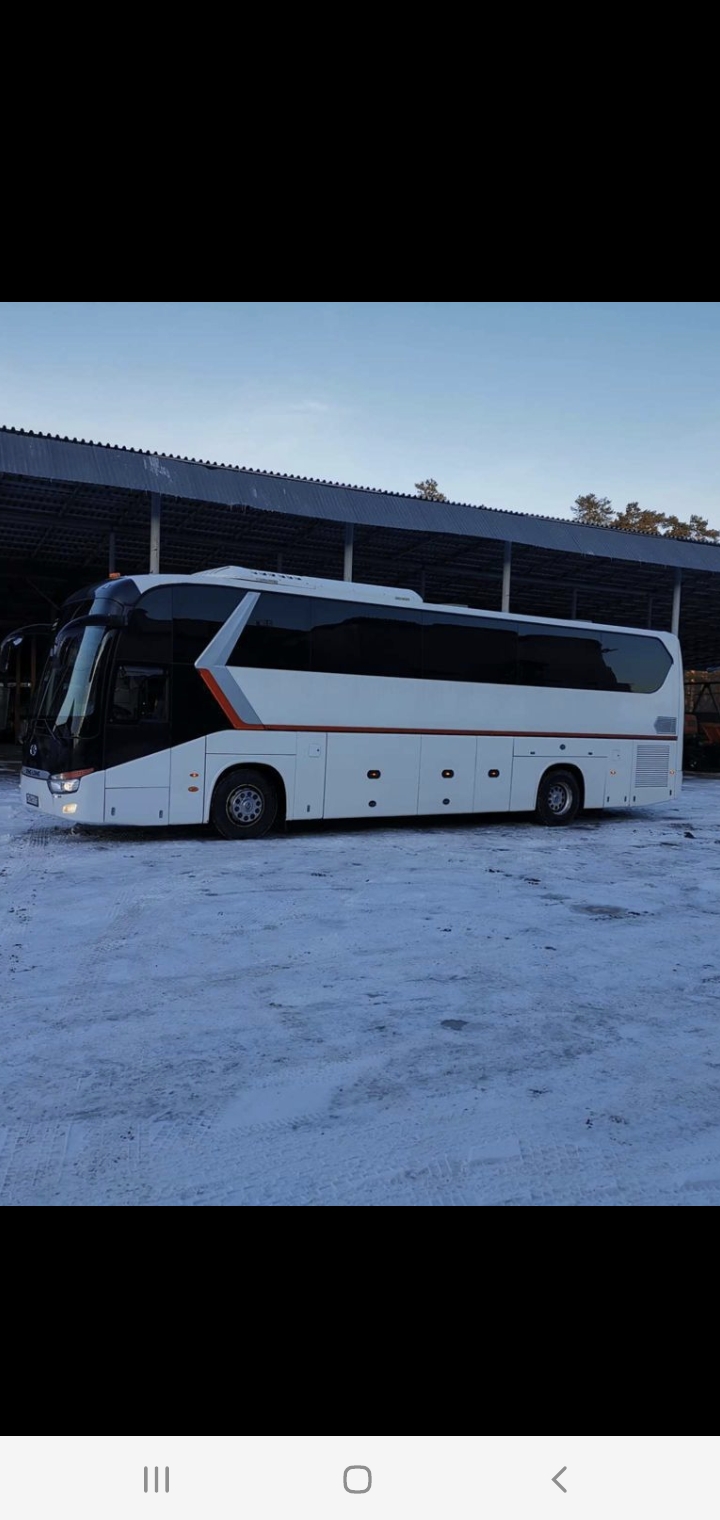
(255,580)
(309,583)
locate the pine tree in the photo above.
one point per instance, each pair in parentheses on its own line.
(696,529)
(596,510)
(637,519)
(429,490)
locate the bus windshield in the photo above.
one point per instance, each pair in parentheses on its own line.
(69,694)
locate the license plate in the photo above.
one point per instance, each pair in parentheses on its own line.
(32,800)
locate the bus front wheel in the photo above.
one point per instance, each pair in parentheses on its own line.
(245,805)
(559,798)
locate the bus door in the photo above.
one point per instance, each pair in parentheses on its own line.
(137,744)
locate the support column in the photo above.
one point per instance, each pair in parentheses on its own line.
(573,604)
(111,551)
(507,566)
(155,509)
(677,595)
(649,611)
(348,555)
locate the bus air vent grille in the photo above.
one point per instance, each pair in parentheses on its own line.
(652,763)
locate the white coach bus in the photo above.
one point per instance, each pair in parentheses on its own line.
(245,698)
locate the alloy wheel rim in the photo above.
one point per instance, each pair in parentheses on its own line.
(245,805)
(559,798)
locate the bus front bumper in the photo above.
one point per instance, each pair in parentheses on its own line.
(84,805)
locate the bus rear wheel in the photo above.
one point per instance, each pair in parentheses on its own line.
(559,798)
(245,805)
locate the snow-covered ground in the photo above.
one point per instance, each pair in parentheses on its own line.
(475,1013)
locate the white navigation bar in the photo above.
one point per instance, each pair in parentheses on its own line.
(358,1477)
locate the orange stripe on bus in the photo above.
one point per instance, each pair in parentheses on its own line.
(471,733)
(222,700)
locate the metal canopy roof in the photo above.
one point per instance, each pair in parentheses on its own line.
(60,500)
(109,466)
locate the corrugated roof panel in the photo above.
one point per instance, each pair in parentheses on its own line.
(52,458)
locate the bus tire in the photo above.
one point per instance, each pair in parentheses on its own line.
(559,798)
(245,805)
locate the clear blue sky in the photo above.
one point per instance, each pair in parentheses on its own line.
(515,404)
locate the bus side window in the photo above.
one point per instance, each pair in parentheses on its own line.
(469,649)
(277,635)
(198,614)
(148,635)
(140,694)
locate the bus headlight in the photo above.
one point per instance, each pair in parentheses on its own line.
(67,781)
(57,785)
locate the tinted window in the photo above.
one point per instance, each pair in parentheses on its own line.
(468,649)
(637,664)
(553,657)
(277,634)
(199,612)
(356,638)
(195,711)
(140,694)
(287,632)
(584,660)
(148,635)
